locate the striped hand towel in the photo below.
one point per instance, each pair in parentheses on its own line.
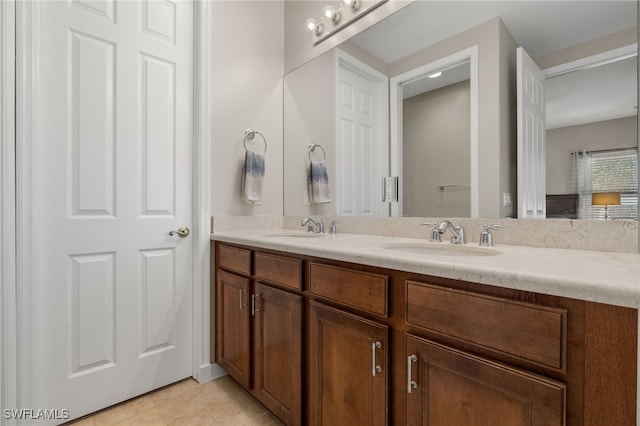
(319,191)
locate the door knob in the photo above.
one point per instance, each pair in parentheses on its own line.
(183,231)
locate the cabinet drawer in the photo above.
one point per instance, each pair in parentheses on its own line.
(235,259)
(361,290)
(279,270)
(531,332)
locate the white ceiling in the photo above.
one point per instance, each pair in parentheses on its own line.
(541,27)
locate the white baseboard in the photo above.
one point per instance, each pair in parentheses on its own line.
(209,372)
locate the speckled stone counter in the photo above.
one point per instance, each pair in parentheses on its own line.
(605,277)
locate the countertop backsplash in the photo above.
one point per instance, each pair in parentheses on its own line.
(611,236)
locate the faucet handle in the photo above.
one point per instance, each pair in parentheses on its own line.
(488,226)
(435,235)
(332,227)
(486,239)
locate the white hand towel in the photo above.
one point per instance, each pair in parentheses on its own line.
(252,177)
(319,191)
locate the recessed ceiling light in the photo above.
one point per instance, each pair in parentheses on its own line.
(435,74)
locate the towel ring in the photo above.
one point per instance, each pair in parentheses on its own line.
(313,146)
(249,134)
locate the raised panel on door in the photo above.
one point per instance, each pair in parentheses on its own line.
(158,300)
(93,312)
(92,113)
(453,388)
(277,349)
(233,326)
(348,372)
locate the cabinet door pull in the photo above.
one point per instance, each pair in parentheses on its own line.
(411,384)
(375,368)
(242,305)
(255,304)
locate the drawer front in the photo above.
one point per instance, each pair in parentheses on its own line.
(235,259)
(531,332)
(360,290)
(279,270)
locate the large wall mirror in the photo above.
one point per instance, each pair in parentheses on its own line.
(454,144)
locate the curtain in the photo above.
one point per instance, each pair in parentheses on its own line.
(582,183)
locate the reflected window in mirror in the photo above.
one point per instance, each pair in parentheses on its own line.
(607,184)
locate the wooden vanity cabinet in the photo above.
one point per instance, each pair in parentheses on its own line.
(233,326)
(348,368)
(348,346)
(390,347)
(277,352)
(449,387)
(259,327)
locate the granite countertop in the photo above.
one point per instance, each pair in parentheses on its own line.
(605,277)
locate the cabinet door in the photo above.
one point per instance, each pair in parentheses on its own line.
(278,352)
(347,368)
(447,387)
(232,326)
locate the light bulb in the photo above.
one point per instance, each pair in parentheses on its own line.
(355,4)
(310,24)
(329,12)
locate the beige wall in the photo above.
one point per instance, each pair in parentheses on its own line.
(299,47)
(436,152)
(247,68)
(611,134)
(496,98)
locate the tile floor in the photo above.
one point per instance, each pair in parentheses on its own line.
(219,402)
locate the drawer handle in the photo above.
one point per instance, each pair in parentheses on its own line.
(242,305)
(375,368)
(411,384)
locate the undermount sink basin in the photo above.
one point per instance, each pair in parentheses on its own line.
(295,234)
(439,249)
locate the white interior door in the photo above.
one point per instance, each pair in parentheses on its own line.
(531,138)
(112,166)
(362,151)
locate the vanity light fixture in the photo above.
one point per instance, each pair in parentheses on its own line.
(335,18)
(330,14)
(435,74)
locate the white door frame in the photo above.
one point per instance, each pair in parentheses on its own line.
(396,99)
(8,315)
(18,372)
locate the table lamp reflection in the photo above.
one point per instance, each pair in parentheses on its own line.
(605,199)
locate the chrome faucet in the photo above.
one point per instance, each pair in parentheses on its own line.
(312,225)
(457,232)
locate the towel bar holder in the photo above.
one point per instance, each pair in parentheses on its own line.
(250,134)
(312,148)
